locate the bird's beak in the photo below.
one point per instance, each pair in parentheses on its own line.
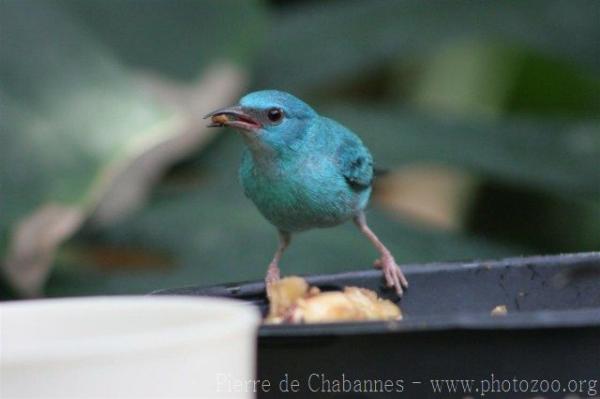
(235,117)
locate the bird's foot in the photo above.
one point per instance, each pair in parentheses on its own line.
(272,277)
(272,274)
(392,272)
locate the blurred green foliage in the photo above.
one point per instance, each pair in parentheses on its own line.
(507,93)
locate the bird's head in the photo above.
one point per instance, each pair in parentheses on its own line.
(267,119)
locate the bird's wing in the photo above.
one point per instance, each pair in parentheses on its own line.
(356,163)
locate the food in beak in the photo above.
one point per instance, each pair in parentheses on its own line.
(234,117)
(219,119)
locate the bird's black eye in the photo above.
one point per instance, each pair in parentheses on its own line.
(275,114)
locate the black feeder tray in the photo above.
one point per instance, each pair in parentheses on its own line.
(547,345)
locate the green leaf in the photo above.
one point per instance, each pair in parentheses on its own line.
(68,109)
(349,39)
(176,38)
(556,155)
(78,129)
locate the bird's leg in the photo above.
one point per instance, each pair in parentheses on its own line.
(273,270)
(393,275)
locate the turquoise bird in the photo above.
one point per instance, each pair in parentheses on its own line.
(303,171)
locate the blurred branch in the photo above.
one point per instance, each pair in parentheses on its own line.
(79,135)
(33,245)
(126,184)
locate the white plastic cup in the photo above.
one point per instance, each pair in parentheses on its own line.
(127,347)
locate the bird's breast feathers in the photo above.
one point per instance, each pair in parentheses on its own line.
(309,192)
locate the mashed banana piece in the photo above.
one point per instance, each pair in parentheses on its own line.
(291,300)
(220,119)
(499,310)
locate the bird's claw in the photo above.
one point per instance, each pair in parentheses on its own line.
(272,274)
(393,274)
(272,277)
